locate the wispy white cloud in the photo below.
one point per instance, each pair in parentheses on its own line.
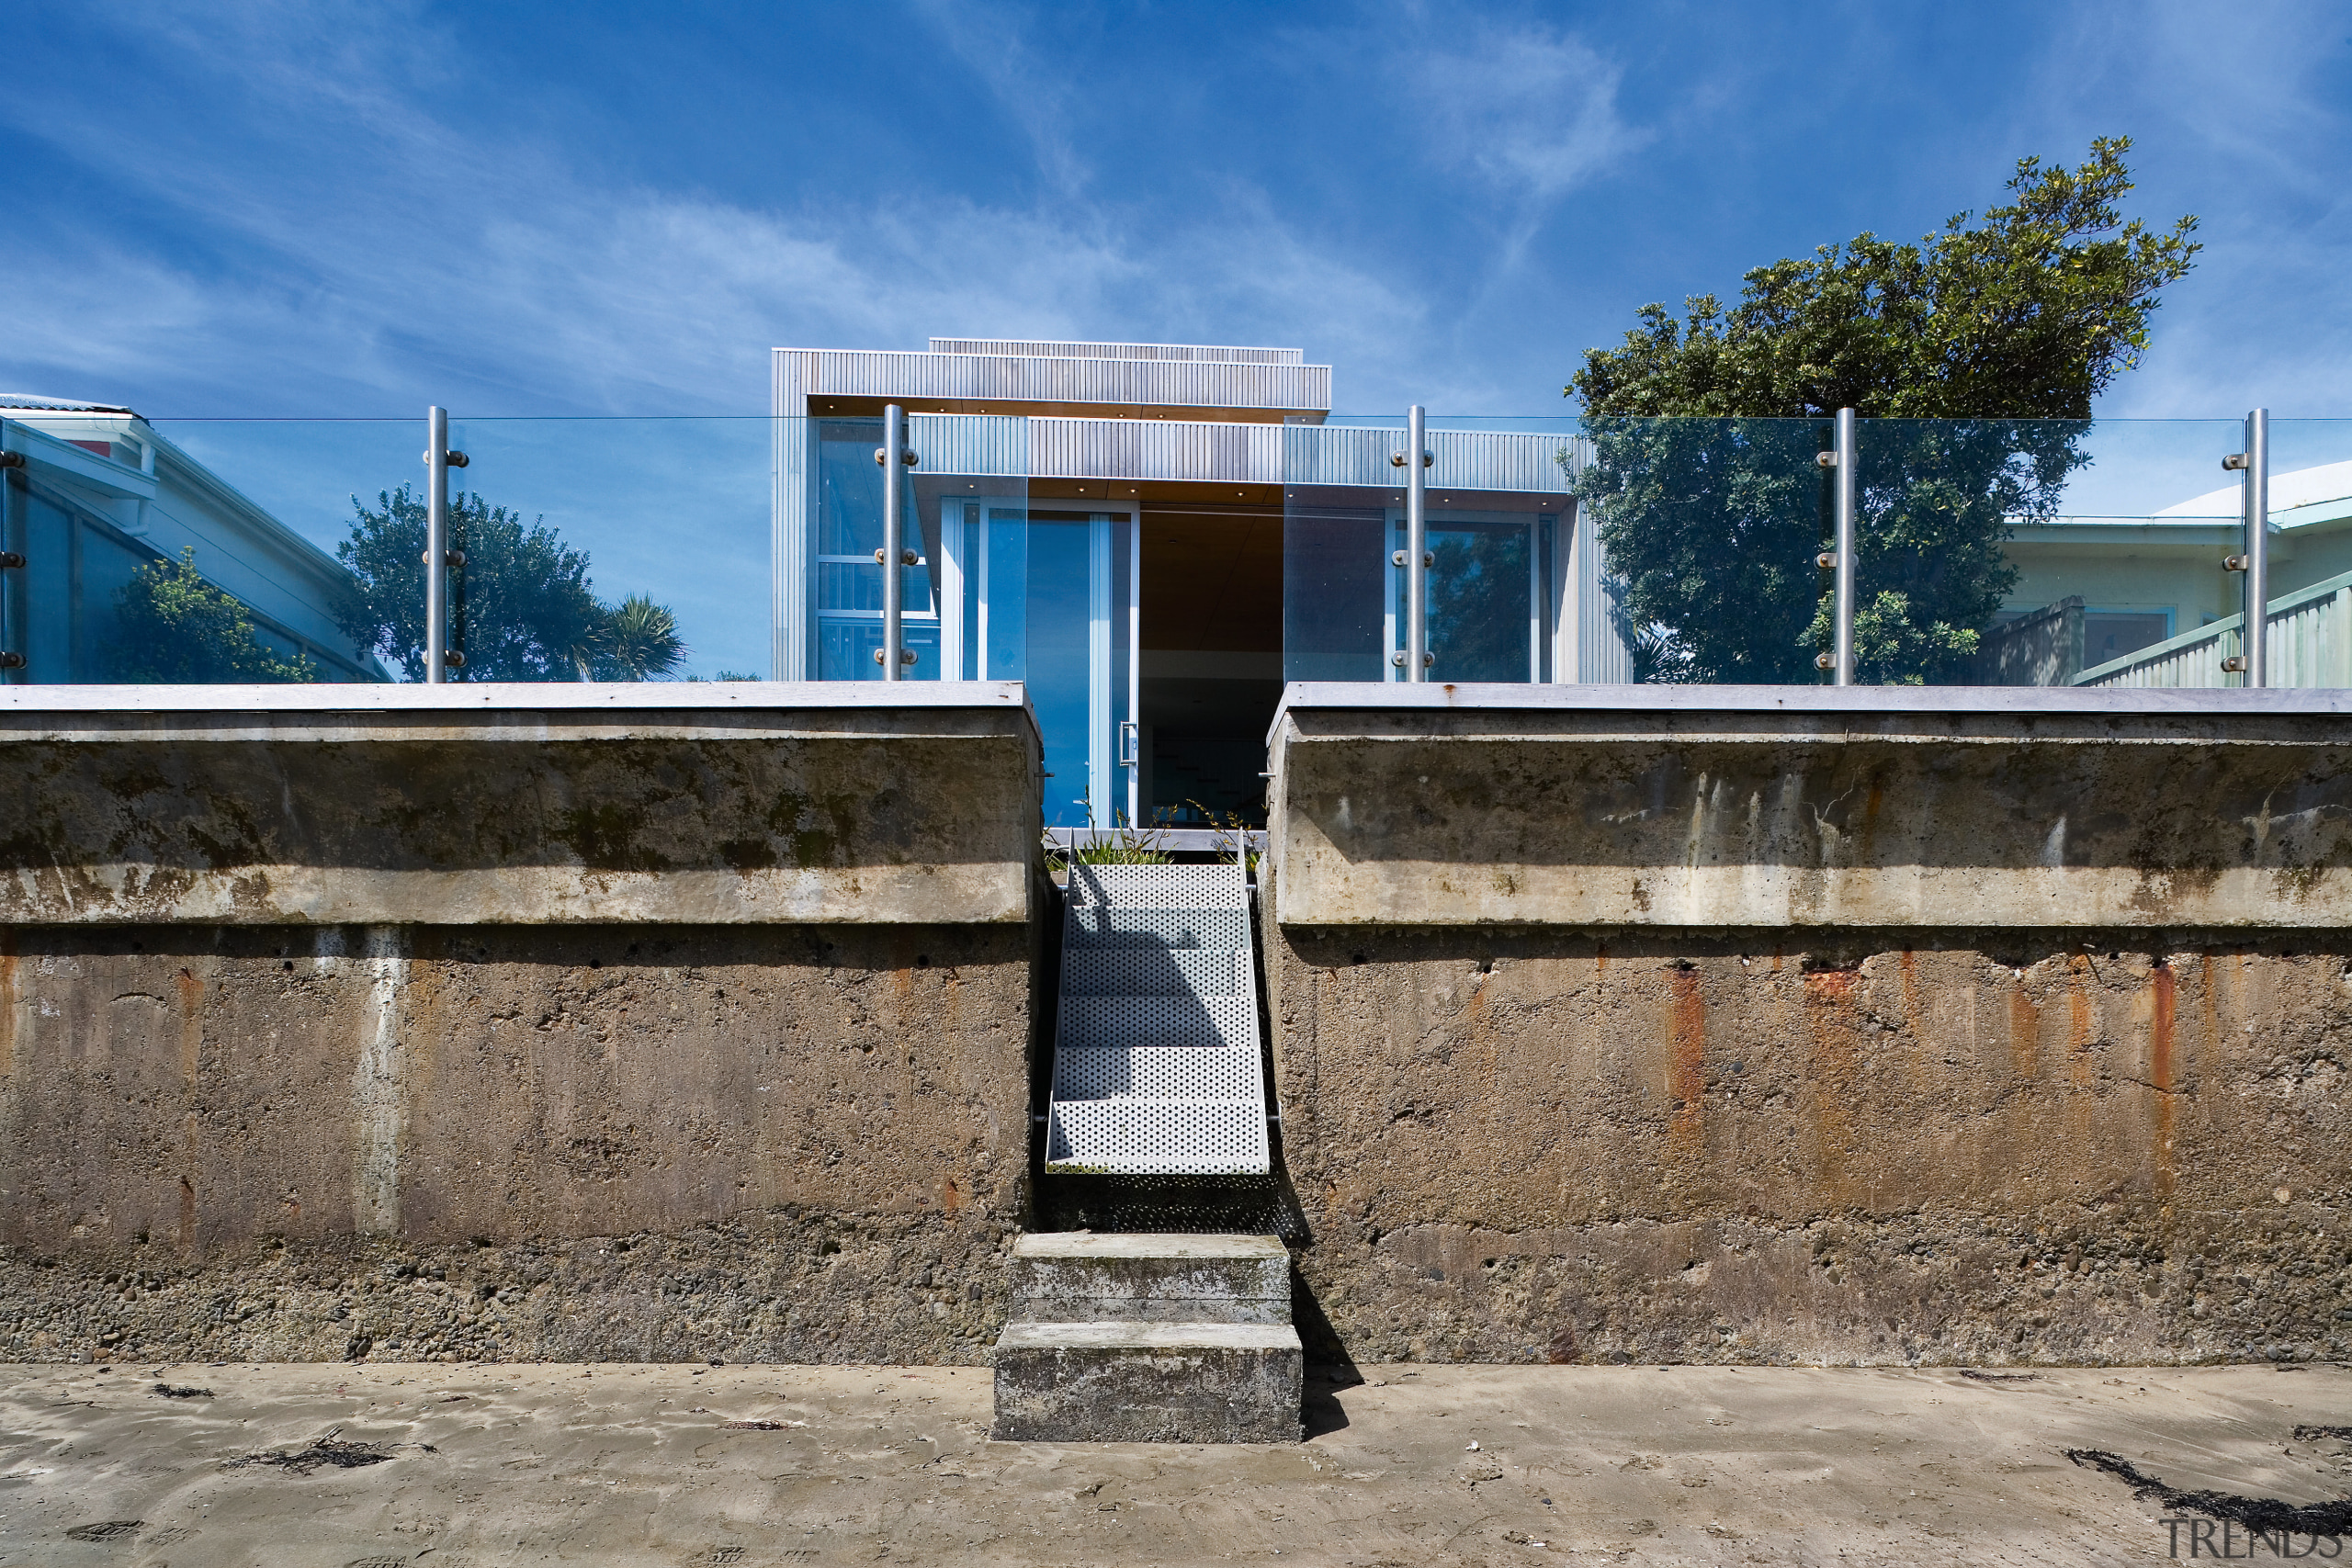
(994,45)
(409,260)
(2234,120)
(1530,110)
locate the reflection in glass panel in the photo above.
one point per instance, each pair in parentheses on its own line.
(849,569)
(1060,591)
(608,549)
(2034,552)
(1116,599)
(1516,590)
(1710,528)
(187,551)
(1334,572)
(1485,598)
(987,550)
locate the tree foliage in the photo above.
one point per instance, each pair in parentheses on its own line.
(640,642)
(1478,613)
(1705,430)
(175,627)
(521,606)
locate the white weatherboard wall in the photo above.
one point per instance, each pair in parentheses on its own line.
(2309,643)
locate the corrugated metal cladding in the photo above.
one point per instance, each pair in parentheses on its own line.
(1223,452)
(1156,449)
(1148,383)
(970,444)
(1021,348)
(1466,460)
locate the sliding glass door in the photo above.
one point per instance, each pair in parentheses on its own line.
(1047,596)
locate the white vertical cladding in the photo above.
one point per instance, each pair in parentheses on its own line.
(1512,461)
(1342,455)
(1588,640)
(992,445)
(1131,383)
(1495,459)
(792,583)
(1016,348)
(1220,451)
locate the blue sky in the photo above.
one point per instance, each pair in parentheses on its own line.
(262,209)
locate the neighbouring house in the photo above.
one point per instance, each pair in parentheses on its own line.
(2119,586)
(100,493)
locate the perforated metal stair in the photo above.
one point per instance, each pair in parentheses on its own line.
(1157,1069)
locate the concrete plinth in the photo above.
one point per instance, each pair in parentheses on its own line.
(1150,1339)
(1080,1277)
(1148,1383)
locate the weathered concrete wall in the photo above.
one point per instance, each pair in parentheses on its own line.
(489,806)
(1949,1139)
(1804,806)
(572,1127)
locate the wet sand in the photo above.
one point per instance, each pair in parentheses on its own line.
(628,1464)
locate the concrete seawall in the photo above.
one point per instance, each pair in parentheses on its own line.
(1608,1023)
(1852,1026)
(595,1023)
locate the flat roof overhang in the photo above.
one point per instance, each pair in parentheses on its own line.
(872,407)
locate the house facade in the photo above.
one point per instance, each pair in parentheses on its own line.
(2147,581)
(1155,539)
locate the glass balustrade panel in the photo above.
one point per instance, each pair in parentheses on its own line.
(613,549)
(198,551)
(2046,552)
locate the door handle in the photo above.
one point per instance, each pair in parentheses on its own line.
(1130,738)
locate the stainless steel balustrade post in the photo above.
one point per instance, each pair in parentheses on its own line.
(1845,547)
(2256,617)
(436,545)
(1417,537)
(12,562)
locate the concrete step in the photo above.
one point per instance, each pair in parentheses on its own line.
(1083,1277)
(1148,1383)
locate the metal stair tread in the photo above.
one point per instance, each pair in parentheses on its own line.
(1157,1064)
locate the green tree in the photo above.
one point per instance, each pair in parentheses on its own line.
(640,642)
(175,627)
(1477,605)
(521,607)
(1977,353)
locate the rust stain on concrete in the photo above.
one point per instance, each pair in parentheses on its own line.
(2161,1021)
(1829,1018)
(1685,1084)
(2081,1023)
(191,991)
(2025,1033)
